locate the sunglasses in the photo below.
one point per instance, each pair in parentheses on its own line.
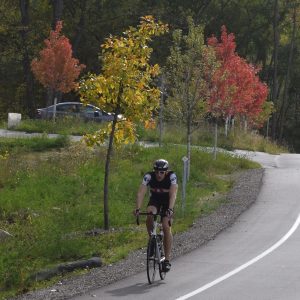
(160,172)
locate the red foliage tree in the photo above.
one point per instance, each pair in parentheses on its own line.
(237,89)
(223,83)
(56,68)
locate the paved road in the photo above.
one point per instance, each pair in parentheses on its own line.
(257,258)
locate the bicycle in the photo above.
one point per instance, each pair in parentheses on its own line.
(155,248)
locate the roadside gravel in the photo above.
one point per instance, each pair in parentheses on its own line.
(243,194)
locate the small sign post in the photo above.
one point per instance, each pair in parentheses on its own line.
(184,180)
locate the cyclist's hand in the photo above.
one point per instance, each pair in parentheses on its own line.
(169,213)
(136,212)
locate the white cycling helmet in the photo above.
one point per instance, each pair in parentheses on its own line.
(161,165)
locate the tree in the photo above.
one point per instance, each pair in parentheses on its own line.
(191,66)
(56,68)
(124,87)
(223,85)
(236,89)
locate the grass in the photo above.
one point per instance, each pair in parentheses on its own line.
(35,144)
(204,136)
(255,142)
(50,201)
(51,193)
(64,126)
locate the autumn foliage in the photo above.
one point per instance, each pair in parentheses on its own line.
(124,87)
(237,89)
(56,68)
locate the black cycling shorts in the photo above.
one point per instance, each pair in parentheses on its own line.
(161,205)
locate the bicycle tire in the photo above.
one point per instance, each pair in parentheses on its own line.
(162,273)
(152,262)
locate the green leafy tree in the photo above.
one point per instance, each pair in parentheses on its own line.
(124,86)
(191,66)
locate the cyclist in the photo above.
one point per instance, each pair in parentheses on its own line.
(162,184)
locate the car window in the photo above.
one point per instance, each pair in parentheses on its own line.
(62,107)
(89,109)
(73,108)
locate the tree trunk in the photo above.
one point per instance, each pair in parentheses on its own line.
(189,120)
(107,163)
(287,78)
(28,104)
(79,28)
(106,176)
(226,126)
(161,108)
(49,96)
(275,55)
(54,108)
(188,150)
(245,123)
(58,6)
(216,140)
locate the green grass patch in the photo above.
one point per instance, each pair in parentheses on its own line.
(51,201)
(204,136)
(43,143)
(64,126)
(255,142)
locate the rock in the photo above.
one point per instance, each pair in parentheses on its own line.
(93,262)
(4,235)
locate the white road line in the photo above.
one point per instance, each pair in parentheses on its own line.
(244,266)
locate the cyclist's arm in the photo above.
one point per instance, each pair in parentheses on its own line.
(141,195)
(172,195)
(173,190)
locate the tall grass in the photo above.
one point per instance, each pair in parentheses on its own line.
(42,143)
(204,136)
(65,126)
(53,201)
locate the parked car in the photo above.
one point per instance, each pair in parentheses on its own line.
(76,109)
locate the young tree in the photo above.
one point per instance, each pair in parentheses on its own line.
(124,87)
(56,68)
(237,89)
(191,66)
(223,85)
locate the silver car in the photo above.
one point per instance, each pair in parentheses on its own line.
(75,109)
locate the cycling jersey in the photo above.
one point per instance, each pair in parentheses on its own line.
(159,190)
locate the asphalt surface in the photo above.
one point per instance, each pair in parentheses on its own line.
(256,258)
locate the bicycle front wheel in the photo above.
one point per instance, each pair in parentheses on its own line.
(162,273)
(152,262)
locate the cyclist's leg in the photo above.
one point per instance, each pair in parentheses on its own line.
(153,207)
(168,237)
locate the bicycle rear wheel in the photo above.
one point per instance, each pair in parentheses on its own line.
(152,263)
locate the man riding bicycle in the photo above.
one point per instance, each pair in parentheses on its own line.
(163,186)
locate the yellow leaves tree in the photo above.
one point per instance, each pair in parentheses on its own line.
(124,87)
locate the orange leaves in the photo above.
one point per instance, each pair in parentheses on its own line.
(150,124)
(56,68)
